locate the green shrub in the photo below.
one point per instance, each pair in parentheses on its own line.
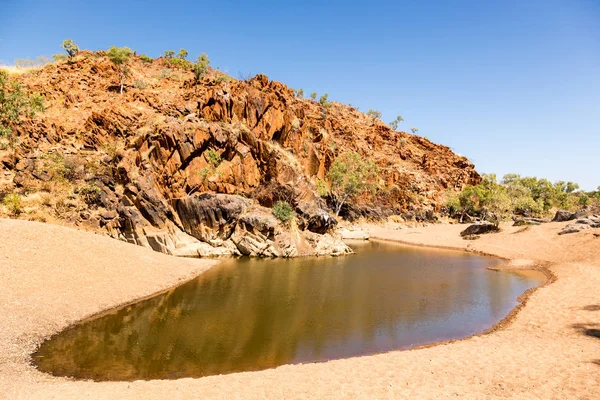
(169,54)
(323,99)
(213,158)
(12,202)
(313,95)
(201,67)
(283,211)
(15,103)
(183,53)
(299,93)
(90,193)
(71,48)
(179,63)
(146,59)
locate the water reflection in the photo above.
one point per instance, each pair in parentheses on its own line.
(254,314)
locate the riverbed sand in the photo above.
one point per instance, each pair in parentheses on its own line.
(51,277)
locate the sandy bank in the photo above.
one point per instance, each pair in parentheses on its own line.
(52,276)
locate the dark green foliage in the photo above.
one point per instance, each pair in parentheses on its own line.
(283,211)
(146,59)
(323,99)
(515,195)
(169,54)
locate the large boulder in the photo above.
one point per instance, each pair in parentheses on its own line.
(480,229)
(254,235)
(211,218)
(562,216)
(315,219)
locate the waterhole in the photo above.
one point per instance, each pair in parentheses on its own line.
(252,314)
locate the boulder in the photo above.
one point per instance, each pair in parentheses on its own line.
(480,229)
(562,216)
(593,221)
(315,219)
(210,218)
(254,235)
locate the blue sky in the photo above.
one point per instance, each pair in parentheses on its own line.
(514,85)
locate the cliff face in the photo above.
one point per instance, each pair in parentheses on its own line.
(143,164)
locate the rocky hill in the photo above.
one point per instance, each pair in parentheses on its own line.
(192,169)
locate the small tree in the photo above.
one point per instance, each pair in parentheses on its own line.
(120,57)
(323,99)
(200,67)
(299,93)
(374,113)
(313,95)
(349,176)
(71,48)
(414,130)
(15,103)
(183,53)
(169,54)
(394,123)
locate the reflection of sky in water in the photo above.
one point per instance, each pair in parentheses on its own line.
(253,314)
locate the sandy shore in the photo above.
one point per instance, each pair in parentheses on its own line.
(52,276)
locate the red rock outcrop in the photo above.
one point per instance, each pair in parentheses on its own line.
(166,138)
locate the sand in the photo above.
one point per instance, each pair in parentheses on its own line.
(51,277)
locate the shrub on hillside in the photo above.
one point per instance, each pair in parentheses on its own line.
(14,104)
(90,193)
(283,211)
(71,48)
(146,59)
(374,114)
(213,158)
(12,202)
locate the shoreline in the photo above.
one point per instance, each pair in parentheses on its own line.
(20,379)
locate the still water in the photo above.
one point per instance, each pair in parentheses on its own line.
(252,314)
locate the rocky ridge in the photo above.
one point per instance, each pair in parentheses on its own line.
(193,170)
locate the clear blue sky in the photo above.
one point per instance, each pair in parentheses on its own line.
(512,84)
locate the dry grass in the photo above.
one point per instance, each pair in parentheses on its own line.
(15,70)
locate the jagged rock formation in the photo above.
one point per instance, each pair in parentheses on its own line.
(187,169)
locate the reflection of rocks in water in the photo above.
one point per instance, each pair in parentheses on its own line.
(255,314)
